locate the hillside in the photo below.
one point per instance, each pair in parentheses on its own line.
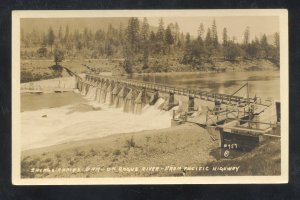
(33,70)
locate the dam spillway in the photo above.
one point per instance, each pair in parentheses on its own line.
(119,91)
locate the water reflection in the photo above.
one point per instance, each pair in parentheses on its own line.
(264,84)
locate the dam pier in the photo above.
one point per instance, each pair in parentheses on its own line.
(133,95)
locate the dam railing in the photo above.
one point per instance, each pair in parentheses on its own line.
(208,96)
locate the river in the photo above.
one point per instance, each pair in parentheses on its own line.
(55,118)
(264,84)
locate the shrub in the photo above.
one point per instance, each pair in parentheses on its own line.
(93,152)
(42,52)
(117,152)
(232,51)
(130,143)
(58,56)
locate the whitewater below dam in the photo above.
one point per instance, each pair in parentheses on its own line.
(81,119)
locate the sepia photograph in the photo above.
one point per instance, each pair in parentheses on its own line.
(150,96)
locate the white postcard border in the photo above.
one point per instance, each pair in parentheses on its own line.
(284,97)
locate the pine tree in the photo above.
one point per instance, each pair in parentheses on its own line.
(152,42)
(256,40)
(264,46)
(264,41)
(133,34)
(131,47)
(208,38)
(169,37)
(43,39)
(145,30)
(201,31)
(209,44)
(246,43)
(152,37)
(181,41)
(160,46)
(50,37)
(172,30)
(214,35)
(177,34)
(160,36)
(187,57)
(129,58)
(145,42)
(67,40)
(187,40)
(145,58)
(225,37)
(246,36)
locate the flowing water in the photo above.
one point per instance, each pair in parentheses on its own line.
(55,118)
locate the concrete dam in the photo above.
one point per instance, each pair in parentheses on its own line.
(201,107)
(133,95)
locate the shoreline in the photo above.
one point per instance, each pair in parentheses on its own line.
(184,150)
(195,72)
(161,147)
(106,65)
(83,142)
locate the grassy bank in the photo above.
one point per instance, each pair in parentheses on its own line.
(264,160)
(168,150)
(177,146)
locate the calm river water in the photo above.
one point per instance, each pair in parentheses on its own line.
(264,84)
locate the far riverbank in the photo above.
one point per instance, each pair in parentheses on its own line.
(33,70)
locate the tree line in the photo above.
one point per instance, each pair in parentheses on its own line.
(137,42)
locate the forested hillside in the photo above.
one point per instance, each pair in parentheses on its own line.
(141,48)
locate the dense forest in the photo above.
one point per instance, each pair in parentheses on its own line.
(142,48)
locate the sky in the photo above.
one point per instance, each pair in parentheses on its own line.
(235,25)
